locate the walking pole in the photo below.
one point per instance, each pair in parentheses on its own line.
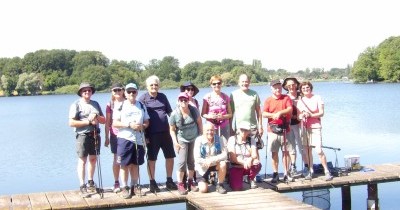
(266,156)
(308,136)
(97,147)
(147,157)
(137,162)
(285,154)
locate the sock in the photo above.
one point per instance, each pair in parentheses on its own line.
(169,179)
(116,182)
(306,165)
(134,182)
(90,182)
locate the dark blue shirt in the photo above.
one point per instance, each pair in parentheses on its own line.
(158,108)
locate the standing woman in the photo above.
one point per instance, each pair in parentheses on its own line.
(216,107)
(131,119)
(185,126)
(117,97)
(291,85)
(310,110)
(191,90)
(158,108)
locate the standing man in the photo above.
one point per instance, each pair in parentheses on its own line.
(85,116)
(131,119)
(157,133)
(245,104)
(278,110)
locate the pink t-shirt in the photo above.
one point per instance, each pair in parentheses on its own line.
(311,105)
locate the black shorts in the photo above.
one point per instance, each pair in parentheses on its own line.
(85,145)
(129,153)
(161,140)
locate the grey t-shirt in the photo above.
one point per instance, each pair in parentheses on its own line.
(80,110)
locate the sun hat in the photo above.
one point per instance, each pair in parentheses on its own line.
(187,84)
(290,78)
(244,125)
(274,82)
(85,85)
(183,95)
(131,86)
(116,86)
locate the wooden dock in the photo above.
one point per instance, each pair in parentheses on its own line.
(267,196)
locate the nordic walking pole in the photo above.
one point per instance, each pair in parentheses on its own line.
(137,163)
(97,149)
(285,154)
(147,157)
(308,136)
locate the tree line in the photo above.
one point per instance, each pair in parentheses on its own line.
(61,71)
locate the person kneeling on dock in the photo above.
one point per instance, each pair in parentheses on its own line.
(243,156)
(210,154)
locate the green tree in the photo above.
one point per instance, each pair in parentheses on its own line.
(96,75)
(389,59)
(366,67)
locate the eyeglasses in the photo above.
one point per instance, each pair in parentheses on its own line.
(216,83)
(131,91)
(183,100)
(189,89)
(155,85)
(117,89)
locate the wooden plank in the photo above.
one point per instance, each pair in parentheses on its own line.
(20,202)
(75,200)
(57,200)
(39,201)
(5,202)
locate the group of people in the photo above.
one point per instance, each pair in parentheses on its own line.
(224,146)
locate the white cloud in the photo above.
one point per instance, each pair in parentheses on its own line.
(282,34)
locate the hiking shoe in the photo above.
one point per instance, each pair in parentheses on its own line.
(275,177)
(328,176)
(181,188)
(116,188)
(83,191)
(305,172)
(137,190)
(125,193)
(192,186)
(91,186)
(171,185)
(220,189)
(253,184)
(154,187)
(309,176)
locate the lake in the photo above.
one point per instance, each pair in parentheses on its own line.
(38,146)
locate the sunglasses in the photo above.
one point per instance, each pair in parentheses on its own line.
(117,90)
(183,100)
(131,91)
(216,83)
(189,89)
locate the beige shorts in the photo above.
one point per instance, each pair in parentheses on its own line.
(312,137)
(276,142)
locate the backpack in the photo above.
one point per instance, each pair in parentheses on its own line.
(217,146)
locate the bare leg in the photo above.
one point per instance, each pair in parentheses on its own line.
(151,169)
(92,166)
(81,169)
(169,165)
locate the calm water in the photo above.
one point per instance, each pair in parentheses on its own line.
(38,152)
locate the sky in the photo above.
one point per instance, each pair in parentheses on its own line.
(283,34)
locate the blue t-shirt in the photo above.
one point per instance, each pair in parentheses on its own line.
(158,109)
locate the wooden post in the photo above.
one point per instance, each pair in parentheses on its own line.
(346,197)
(372,201)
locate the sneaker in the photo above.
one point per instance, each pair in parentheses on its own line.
(83,191)
(192,186)
(275,177)
(293,171)
(328,176)
(171,185)
(253,184)
(91,186)
(154,187)
(116,188)
(137,190)
(181,188)
(309,176)
(305,171)
(220,189)
(125,193)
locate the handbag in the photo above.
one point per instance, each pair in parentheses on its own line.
(259,141)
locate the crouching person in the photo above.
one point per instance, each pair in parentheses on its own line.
(210,154)
(243,157)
